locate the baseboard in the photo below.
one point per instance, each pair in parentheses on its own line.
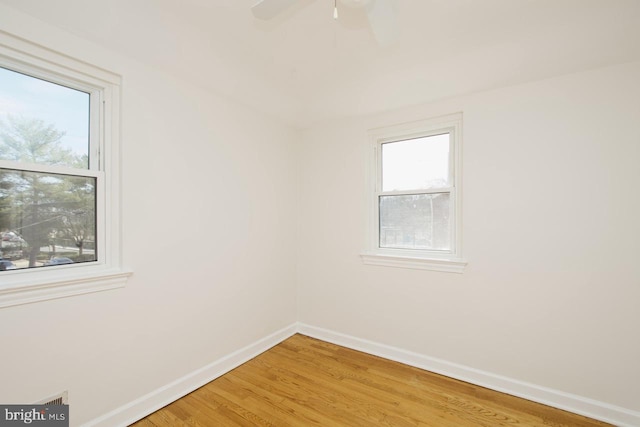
(569,402)
(151,402)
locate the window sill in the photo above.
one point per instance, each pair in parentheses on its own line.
(29,288)
(449,265)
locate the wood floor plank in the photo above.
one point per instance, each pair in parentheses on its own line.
(351,397)
(364,385)
(269,394)
(306,382)
(311,402)
(238,395)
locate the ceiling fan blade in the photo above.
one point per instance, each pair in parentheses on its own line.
(268,9)
(383,22)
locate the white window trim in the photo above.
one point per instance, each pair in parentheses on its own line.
(32,285)
(450,261)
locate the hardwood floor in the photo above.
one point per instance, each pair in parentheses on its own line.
(306,382)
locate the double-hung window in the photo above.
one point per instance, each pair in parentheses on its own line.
(59,179)
(415,209)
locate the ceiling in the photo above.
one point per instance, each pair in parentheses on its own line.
(304,66)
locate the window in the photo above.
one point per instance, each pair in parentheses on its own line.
(59,176)
(415,218)
(46,218)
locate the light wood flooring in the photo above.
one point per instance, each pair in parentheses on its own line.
(306,382)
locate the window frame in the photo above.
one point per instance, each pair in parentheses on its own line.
(38,284)
(437,260)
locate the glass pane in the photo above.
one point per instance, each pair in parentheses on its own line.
(416,164)
(43,122)
(417,221)
(46,219)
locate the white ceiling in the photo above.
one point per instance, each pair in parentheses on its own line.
(306,67)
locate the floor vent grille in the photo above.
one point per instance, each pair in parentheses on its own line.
(58,399)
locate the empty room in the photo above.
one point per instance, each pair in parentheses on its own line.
(320,212)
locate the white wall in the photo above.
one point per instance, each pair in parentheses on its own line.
(551,208)
(207,213)
(209,196)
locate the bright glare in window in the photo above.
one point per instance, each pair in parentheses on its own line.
(416,164)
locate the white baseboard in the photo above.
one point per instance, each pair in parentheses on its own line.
(569,402)
(151,402)
(161,397)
